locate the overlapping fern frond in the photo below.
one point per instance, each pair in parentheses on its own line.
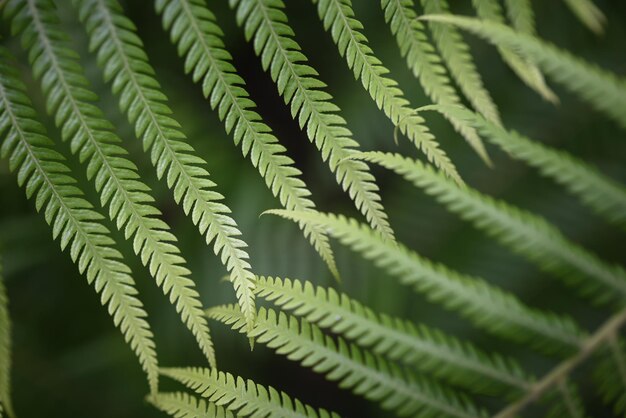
(194,29)
(427,349)
(600,88)
(116,178)
(42,172)
(5,341)
(243,397)
(339,20)
(360,371)
(523,232)
(120,54)
(486,306)
(184,405)
(265,23)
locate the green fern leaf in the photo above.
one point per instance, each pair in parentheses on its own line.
(427,349)
(523,232)
(598,192)
(362,372)
(243,397)
(265,22)
(183,405)
(566,402)
(610,375)
(193,28)
(521,15)
(120,54)
(116,178)
(42,172)
(338,19)
(490,10)
(5,340)
(456,54)
(589,14)
(486,306)
(602,89)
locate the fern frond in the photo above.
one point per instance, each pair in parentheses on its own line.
(42,172)
(566,402)
(521,15)
(486,306)
(523,232)
(116,178)
(456,54)
(600,88)
(243,397)
(183,405)
(427,349)
(589,14)
(598,192)
(338,19)
(361,372)
(490,10)
(610,375)
(5,337)
(121,55)
(265,22)
(194,30)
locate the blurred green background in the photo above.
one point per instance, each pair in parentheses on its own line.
(70,361)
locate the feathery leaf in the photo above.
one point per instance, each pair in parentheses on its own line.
(42,172)
(194,30)
(243,397)
(363,373)
(486,306)
(524,232)
(183,405)
(427,349)
(116,178)
(121,55)
(521,15)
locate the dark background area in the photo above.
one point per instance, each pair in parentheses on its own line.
(70,361)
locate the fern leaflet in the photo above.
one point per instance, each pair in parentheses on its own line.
(455,53)
(5,340)
(521,15)
(243,397)
(194,29)
(42,172)
(338,19)
(602,89)
(427,349)
(490,10)
(266,23)
(125,64)
(364,373)
(588,13)
(183,405)
(486,306)
(116,178)
(523,232)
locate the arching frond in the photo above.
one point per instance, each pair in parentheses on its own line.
(602,89)
(486,306)
(427,349)
(490,10)
(523,232)
(45,177)
(183,405)
(588,13)
(5,335)
(116,178)
(193,28)
(243,397)
(600,193)
(265,22)
(361,372)
(338,19)
(120,54)
(456,54)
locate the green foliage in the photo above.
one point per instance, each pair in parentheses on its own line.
(116,178)
(5,350)
(360,371)
(126,65)
(589,14)
(243,397)
(41,171)
(183,405)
